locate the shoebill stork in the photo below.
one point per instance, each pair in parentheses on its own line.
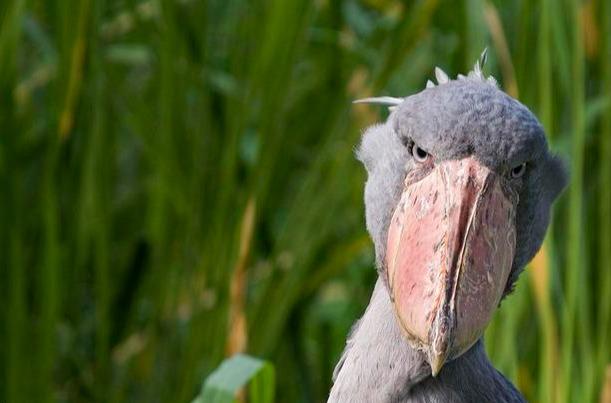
(457,200)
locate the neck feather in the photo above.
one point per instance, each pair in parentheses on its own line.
(378,365)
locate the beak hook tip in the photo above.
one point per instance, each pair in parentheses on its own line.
(436,361)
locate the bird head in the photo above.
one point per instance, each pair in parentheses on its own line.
(458,196)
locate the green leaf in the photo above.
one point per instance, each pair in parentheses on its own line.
(233,374)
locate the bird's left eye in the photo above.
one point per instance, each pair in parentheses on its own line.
(419,154)
(518,170)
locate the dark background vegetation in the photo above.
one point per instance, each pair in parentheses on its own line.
(177,184)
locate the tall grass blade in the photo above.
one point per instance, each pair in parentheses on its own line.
(575,269)
(604,203)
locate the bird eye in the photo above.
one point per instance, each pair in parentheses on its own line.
(419,154)
(518,170)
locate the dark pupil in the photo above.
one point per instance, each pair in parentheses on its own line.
(518,170)
(420,153)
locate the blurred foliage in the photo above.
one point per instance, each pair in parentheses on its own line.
(178,185)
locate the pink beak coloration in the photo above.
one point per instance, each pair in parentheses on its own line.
(450,249)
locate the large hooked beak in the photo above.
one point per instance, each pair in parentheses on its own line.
(451,243)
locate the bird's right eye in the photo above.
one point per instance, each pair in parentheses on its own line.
(419,154)
(518,170)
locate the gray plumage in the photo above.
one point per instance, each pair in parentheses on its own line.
(469,116)
(378,366)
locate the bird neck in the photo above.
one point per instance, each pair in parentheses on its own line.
(378,365)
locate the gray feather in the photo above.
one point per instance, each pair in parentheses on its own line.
(378,366)
(441,76)
(379,100)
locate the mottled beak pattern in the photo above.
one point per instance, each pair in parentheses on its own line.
(450,249)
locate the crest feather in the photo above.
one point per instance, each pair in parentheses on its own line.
(441,76)
(475,74)
(391,101)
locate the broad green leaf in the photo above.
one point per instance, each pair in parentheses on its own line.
(235,373)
